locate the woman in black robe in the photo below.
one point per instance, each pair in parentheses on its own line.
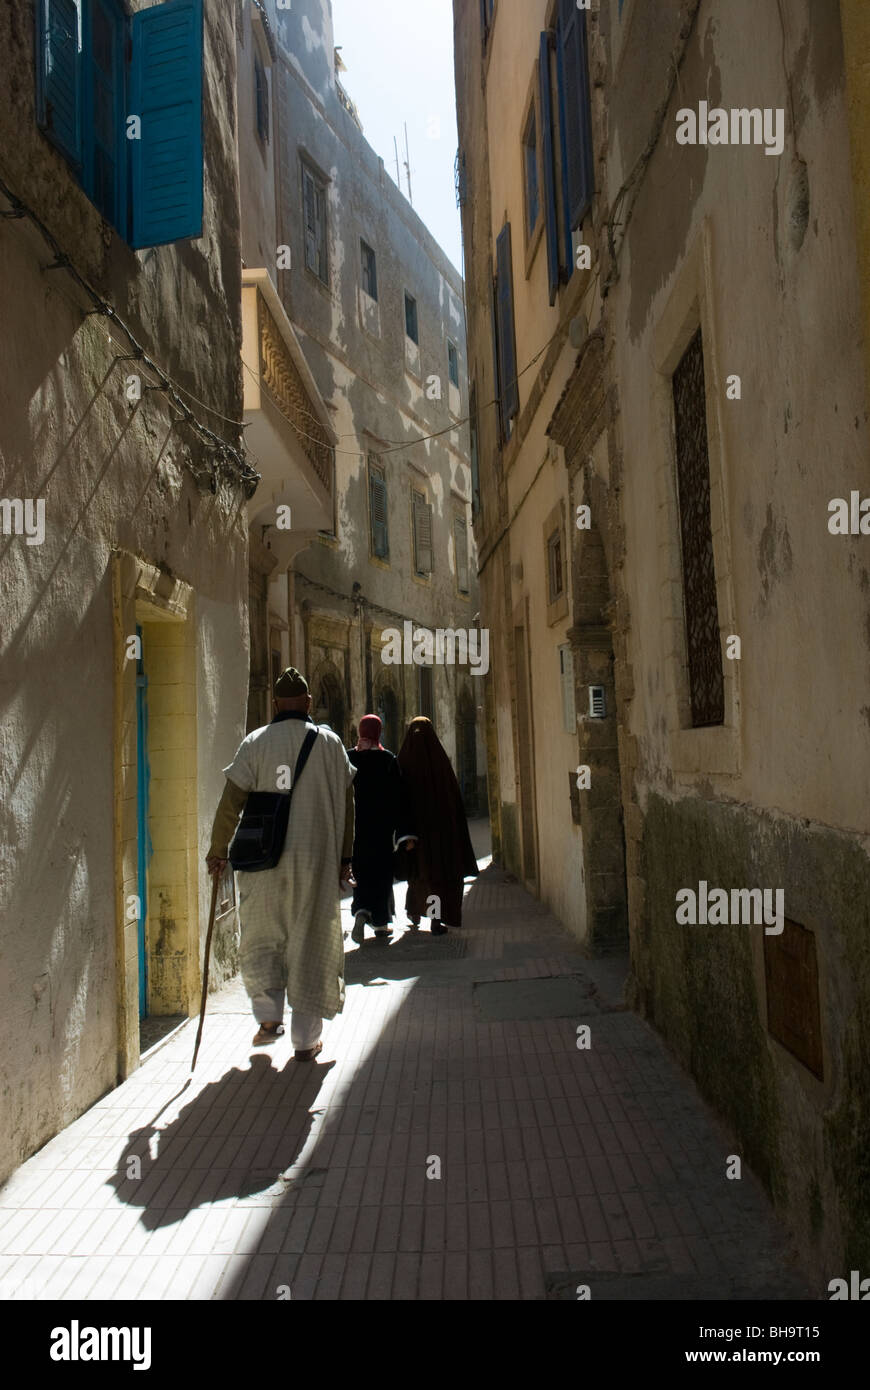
(444,854)
(382,823)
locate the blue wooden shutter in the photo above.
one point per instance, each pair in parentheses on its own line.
(574,77)
(166,92)
(58,75)
(507,349)
(549,167)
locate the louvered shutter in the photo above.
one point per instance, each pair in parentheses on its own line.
(507,349)
(496,368)
(422,534)
(379,514)
(550,213)
(58,75)
(166,92)
(309,199)
(320,230)
(460,540)
(575,100)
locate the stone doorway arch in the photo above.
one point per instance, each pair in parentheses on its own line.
(328,704)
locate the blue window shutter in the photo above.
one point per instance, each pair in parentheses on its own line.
(575,99)
(549,167)
(507,350)
(496,368)
(166,92)
(58,75)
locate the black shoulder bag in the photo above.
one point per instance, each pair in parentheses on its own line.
(259,839)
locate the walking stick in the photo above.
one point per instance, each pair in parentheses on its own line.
(208,935)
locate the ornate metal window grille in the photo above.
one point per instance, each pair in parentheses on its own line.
(703,641)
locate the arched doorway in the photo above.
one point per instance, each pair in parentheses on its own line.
(327,702)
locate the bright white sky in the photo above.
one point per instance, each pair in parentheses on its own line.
(399,57)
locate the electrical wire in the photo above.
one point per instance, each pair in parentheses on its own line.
(100,306)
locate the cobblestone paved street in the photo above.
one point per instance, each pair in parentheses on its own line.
(558,1166)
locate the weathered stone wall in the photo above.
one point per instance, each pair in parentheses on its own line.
(116,478)
(759,251)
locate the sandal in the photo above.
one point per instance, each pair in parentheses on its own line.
(309,1053)
(267,1034)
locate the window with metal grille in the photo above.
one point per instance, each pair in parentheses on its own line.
(555,569)
(460,540)
(422,527)
(261,96)
(411,327)
(703,641)
(314,212)
(379,529)
(452,362)
(369,270)
(597,702)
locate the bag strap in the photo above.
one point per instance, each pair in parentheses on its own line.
(304,753)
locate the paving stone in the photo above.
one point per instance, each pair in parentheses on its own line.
(560,1166)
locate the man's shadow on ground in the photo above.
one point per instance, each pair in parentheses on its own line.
(233,1139)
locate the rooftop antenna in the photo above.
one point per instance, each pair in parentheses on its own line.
(396,148)
(408,166)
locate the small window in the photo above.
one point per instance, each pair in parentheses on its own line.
(411,318)
(369,270)
(460,541)
(421,512)
(314,212)
(530,165)
(379,532)
(261,96)
(555,575)
(452,362)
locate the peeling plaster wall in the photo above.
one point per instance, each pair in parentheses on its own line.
(113,478)
(357,353)
(761,250)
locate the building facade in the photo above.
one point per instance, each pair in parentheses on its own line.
(377,398)
(709,405)
(532,296)
(124,546)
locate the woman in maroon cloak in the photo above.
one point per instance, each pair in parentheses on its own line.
(443,855)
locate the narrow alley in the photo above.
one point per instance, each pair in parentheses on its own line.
(452,1141)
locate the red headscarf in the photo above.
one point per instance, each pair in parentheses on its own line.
(369,733)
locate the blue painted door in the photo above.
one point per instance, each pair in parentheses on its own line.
(143,839)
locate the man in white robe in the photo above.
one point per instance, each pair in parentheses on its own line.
(291,915)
